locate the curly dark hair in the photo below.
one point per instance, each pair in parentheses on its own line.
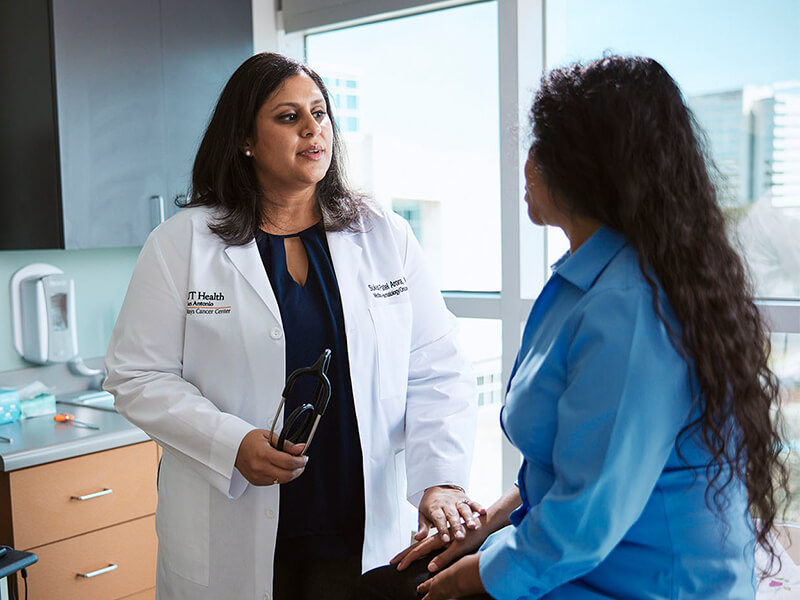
(223,177)
(616,142)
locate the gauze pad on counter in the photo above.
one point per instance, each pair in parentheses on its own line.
(43,404)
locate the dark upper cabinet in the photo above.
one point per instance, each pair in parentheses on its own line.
(103,105)
(111,133)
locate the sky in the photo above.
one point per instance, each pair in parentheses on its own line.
(707,45)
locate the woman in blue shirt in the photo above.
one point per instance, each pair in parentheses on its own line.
(641,395)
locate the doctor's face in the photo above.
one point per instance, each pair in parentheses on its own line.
(293,137)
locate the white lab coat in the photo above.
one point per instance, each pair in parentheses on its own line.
(198,379)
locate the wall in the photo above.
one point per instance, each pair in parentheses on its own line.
(265,26)
(101,279)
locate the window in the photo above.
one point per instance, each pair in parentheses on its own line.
(744,88)
(481,342)
(426,120)
(431,126)
(411,211)
(351,124)
(426,146)
(433,155)
(786,365)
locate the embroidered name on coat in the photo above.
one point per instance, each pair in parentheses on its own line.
(388,289)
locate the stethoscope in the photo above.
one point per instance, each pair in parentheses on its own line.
(303,420)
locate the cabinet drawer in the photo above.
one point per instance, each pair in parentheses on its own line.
(145,595)
(44,499)
(130,546)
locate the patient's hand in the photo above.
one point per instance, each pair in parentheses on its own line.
(472,540)
(462,579)
(485,522)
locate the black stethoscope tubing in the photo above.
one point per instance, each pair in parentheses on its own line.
(309,413)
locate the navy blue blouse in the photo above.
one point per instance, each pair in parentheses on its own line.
(322,511)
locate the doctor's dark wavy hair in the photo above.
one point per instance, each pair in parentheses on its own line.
(616,143)
(224,177)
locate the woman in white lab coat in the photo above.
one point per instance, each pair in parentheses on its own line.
(273,260)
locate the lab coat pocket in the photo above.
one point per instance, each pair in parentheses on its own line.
(182,520)
(392,324)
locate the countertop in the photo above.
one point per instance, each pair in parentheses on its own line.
(40,440)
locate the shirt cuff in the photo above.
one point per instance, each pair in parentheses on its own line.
(224,449)
(416,497)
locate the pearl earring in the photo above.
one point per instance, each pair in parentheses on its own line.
(248,153)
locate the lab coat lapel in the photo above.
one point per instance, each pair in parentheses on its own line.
(346,257)
(247,261)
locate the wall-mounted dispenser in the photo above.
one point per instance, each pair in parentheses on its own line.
(43,314)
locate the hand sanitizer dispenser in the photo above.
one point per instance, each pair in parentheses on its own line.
(43,313)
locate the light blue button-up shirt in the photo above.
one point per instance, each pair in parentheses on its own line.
(595,404)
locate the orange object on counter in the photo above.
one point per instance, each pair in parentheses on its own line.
(68,418)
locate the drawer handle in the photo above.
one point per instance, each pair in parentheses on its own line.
(108,569)
(104,492)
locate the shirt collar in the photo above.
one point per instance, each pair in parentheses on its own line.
(584,267)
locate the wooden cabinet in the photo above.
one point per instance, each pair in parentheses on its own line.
(74,568)
(91,522)
(106,102)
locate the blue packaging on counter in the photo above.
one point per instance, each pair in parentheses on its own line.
(9,406)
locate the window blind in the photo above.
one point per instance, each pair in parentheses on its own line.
(299,15)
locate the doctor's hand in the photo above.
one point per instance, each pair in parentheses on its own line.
(443,504)
(261,464)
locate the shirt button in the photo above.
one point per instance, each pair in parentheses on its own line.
(266,596)
(275,333)
(269,513)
